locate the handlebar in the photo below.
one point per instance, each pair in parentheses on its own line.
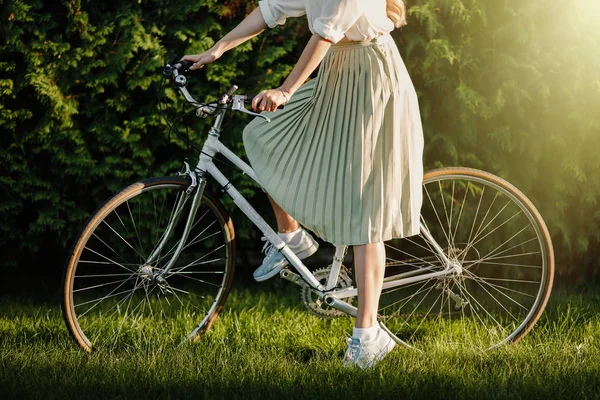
(175,68)
(178,65)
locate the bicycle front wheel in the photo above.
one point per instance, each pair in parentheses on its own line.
(115,293)
(504,262)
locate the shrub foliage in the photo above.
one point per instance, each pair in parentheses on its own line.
(509,86)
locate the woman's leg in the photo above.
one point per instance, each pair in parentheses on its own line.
(285,222)
(369,262)
(369,343)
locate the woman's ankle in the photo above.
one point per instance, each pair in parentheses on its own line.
(288,236)
(365,334)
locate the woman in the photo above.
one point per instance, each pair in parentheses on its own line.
(345,155)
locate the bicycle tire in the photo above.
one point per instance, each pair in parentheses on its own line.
(444,311)
(128,241)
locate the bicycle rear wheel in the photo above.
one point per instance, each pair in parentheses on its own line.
(497,237)
(114,297)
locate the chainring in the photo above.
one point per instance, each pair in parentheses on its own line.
(317,306)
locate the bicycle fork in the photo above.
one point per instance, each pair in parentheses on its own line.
(197,190)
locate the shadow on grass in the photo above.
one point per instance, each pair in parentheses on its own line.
(311,381)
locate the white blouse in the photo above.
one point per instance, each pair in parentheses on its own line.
(357,20)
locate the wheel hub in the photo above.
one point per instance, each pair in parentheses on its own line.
(150,275)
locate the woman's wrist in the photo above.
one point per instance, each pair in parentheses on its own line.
(286,91)
(219,48)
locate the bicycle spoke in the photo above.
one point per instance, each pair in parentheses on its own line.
(428,311)
(437,216)
(200,272)
(492,252)
(509,289)
(506,264)
(496,228)
(203,238)
(113,250)
(112,261)
(193,263)
(479,281)
(498,324)
(105,263)
(498,302)
(98,301)
(407,298)
(479,229)
(116,310)
(460,211)
(191,243)
(448,218)
(100,285)
(122,223)
(509,256)
(476,214)
(100,275)
(418,304)
(462,291)
(123,239)
(200,280)
(412,256)
(509,280)
(137,234)
(116,334)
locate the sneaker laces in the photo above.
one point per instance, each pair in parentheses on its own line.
(268,248)
(353,351)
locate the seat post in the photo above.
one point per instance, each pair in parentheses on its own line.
(336,265)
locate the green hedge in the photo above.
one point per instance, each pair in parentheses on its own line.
(512,87)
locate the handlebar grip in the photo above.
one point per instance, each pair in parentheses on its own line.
(231,90)
(250,97)
(184,65)
(173,59)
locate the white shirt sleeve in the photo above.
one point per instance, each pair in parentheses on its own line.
(275,12)
(337,17)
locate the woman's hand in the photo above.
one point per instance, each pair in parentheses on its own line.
(269,100)
(200,60)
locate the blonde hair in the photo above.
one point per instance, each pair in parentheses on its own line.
(396,11)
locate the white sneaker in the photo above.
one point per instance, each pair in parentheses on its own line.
(302,244)
(365,354)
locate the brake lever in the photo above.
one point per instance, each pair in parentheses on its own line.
(238,102)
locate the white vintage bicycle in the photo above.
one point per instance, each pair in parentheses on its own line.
(162,252)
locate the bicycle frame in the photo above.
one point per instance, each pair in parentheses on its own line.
(213,146)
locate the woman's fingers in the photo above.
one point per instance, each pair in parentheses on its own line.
(195,58)
(199,63)
(257,101)
(201,60)
(265,104)
(268,100)
(190,57)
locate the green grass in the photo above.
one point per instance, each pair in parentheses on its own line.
(264,345)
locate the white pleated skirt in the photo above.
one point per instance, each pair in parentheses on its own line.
(345,155)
